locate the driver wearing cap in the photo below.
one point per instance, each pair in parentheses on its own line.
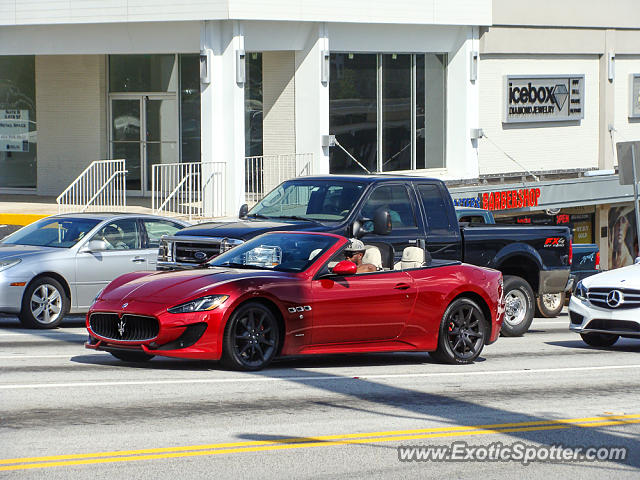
(354,252)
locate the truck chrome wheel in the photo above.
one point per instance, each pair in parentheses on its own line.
(515,307)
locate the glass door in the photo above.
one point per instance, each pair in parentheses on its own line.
(144,131)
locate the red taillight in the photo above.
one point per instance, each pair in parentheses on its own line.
(598,260)
(570,253)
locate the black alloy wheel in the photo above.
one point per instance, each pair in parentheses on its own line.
(251,337)
(462,333)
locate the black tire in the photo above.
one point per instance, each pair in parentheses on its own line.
(462,333)
(599,339)
(250,338)
(519,306)
(44,304)
(550,305)
(132,356)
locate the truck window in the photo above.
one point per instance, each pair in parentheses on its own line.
(435,210)
(395,198)
(472,219)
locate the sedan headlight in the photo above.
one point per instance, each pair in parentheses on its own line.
(202,304)
(4,264)
(580,291)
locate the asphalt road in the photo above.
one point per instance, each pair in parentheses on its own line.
(69,413)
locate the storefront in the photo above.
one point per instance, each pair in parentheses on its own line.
(596,209)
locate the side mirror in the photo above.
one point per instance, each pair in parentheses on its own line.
(94,246)
(345,267)
(637,260)
(356,229)
(382,222)
(244,209)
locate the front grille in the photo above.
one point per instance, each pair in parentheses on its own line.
(133,327)
(614,326)
(186,251)
(598,297)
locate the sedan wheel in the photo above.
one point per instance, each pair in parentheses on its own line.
(44,304)
(462,333)
(251,338)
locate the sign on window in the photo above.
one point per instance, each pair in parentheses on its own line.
(14,130)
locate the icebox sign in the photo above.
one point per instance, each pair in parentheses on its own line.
(14,130)
(543,98)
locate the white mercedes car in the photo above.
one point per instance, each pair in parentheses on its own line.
(606,306)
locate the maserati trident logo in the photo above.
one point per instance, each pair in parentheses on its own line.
(615,298)
(121,325)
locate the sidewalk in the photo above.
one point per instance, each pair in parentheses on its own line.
(26,209)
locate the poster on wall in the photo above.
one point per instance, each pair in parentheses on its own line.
(14,130)
(623,240)
(634,111)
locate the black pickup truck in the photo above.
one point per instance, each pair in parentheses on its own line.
(393,212)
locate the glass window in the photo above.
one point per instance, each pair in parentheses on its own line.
(190,106)
(434,209)
(18,128)
(430,110)
(387,111)
(353,111)
(396,112)
(156,229)
(143,73)
(313,200)
(253,105)
(394,198)
(120,235)
(53,232)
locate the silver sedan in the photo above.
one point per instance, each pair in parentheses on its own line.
(59,264)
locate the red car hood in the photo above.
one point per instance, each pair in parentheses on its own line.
(169,287)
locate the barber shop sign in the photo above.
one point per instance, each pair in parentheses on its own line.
(542,98)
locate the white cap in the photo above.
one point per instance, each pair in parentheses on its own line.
(355,245)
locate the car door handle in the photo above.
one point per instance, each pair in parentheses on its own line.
(137,260)
(402,286)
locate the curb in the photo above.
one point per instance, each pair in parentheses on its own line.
(19,218)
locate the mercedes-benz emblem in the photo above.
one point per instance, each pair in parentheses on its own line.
(121,325)
(615,298)
(125,305)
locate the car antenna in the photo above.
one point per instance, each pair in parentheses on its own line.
(351,156)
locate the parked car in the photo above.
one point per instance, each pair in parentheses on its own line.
(606,306)
(533,259)
(58,264)
(293,293)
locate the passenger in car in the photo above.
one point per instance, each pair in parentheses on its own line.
(354,252)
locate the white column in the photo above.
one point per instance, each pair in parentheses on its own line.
(462,109)
(222,117)
(312,99)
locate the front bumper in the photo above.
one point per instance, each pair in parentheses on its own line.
(11,295)
(587,318)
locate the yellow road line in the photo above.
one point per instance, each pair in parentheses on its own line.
(19,218)
(294,443)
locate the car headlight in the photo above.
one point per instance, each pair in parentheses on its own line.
(4,264)
(202,304)
(97,296)
(580,291)
(229,243)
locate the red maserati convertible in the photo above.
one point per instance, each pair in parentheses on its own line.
(293,293)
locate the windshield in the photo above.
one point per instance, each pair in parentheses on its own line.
(53,232)
(286,252)
(315,200)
